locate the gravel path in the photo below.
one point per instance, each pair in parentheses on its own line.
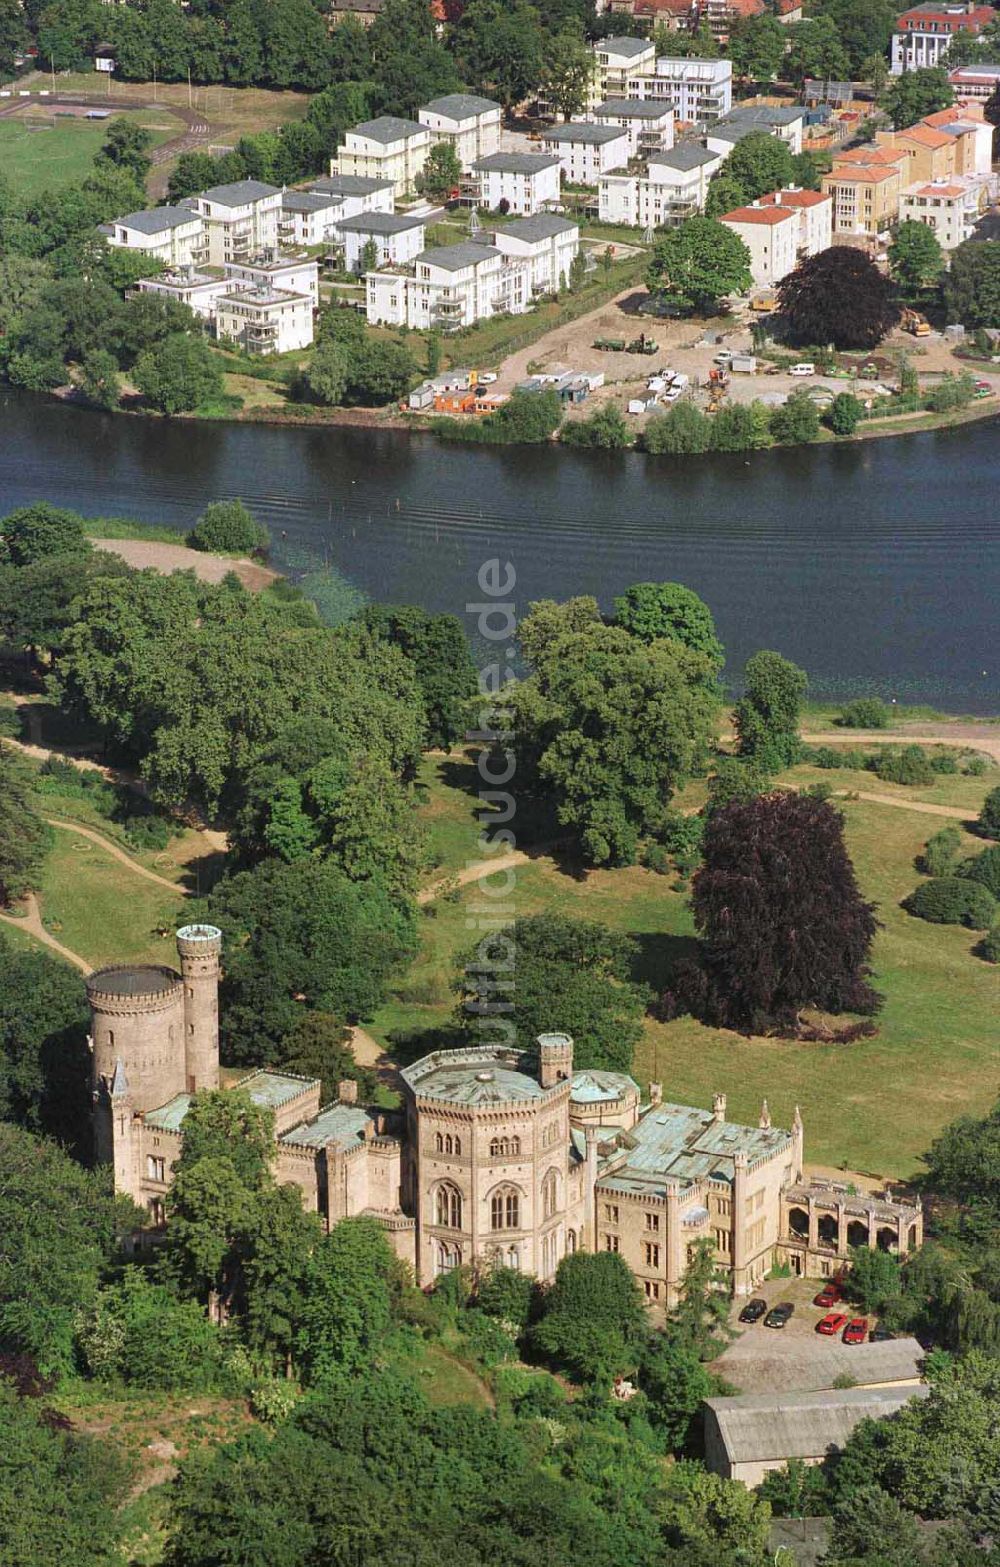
(118,854)
(32,923)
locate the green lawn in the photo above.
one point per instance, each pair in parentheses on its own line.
(100,909)
(42,152)
(873,1105)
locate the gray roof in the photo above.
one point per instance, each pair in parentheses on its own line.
(454,257)
(340,1124)
(515,162)
(736,133)
(487,1076)
(132,979)
(308,201)
(582,130)
(460,105)
(596,1087)
(631,48)
(543,225)
(815,1363)
(757,1427)
(156,219)
(388,128)
(240,193)
(349,185)
(686,155)
(682,1143)
(763,114)
(380,223)
(273,1089)
(633,108)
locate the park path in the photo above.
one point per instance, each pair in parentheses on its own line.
(367,1052)
(478,868)
(977,737)
(32,923)
(922,806)
(118,854)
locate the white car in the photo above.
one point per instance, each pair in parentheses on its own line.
(672,393)
(724,357)
(802,370)
(486,377)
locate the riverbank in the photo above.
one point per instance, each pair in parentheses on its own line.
(150,554)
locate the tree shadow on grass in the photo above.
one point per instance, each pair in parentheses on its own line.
(658,957)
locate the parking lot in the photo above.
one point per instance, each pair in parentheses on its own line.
(765,1360)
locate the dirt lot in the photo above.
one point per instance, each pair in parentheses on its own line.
(166,558)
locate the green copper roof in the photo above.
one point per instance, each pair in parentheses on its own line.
(592,1087)
(340,1124)
(169,1117)
(473,1077)
(689,1144)
(274,1089)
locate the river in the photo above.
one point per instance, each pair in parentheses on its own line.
(873,565)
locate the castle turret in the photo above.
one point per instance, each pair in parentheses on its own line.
(199,947)
(555,1059)
(137,1032)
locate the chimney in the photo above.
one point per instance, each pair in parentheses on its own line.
(656,1093)
(347,1091)
(719,1107)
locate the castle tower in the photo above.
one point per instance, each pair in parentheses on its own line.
(199,947)
(137,1032)
(555,1059)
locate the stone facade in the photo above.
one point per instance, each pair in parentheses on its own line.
(496,1156)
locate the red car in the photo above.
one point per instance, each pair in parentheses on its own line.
(828,1296)
(856,1330)
(831,1323)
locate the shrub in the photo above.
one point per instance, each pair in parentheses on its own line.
(147,832)
(228,527)
(954,391)
(741,427)
(844,414)
(942,761)
(682,431)
(906,764)
(868,712)
(975,767)
(989,947)
(953,900)
(824,756)
(985,869)
(605,429)
(796,422)
(939,852)
(655,858)
(988,820)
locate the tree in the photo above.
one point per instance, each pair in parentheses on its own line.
(609,726)
(318,1046)
(368,258)
(815,50)
(796,1490)
(871,1526)
(60,1225)
(99,380)
(767,715)
(874,1279)
(381,372)
(702,1509)
(605,430)
(676,1384)
(972,286)
(14,36)
(683,430)
(844,414)
(796,422)
(347,1305)
(916,94)
(438,649)
(650,610)
(33,533)
(24,835)
(140,1332)
(760,163)
(938,858)
(725,194)
(699,263)
(572,975)
(988,820)
(875,71)
(756,47)
(915,257)
(953,900)
(567,70)
(984,868)
(863,26)
(783,923)
(227,527)
(44,1062)
(193,171)
(741,427)
(593,1320)
(409,63)
(327,375)
(127,145)
(442,171)
(838,296)
(302,936)
(180,373)
(703,1308)
(501,48)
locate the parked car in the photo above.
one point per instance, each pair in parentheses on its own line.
(828,1295)
(831,1323)
(856,1330)
(724,357)
(487,377)
(753,1310)
(802,369)
(779,1315)
(672,393)
(880,1335)
(982,389)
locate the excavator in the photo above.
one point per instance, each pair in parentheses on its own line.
(718,385)
(913,322)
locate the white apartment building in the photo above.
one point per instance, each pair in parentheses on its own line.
(527,182)
(307,218)
(585,150)
(787,123)
(450,287)
(771,235)
(815,210)
(397,238)
(971,134)
(293,274)
(951,207)
(974,83)
(615,61)
(173,235)
(356,193)
(673,187)
(388,148)
(240,219)
(265,320)
(548,243)
(922,35)
(199,291)
(471,124)
(648,125)
(699,91)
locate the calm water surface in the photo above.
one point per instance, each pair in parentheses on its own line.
(875,566)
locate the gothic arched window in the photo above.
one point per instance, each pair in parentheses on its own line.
(448,1207)
(550,1195)
(505,1209)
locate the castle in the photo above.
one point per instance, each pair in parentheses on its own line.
(496,1156)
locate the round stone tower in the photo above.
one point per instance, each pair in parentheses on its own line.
(137,1020)
(200,947)
(555,1059)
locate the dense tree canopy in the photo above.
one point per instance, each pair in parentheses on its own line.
(651,610)
(767,715)
(44,1061)
(838,296)
(915,94)
(783,923)
(438,649)
(699,263)
(593,1317)
(24,835)
(915,256)
(972,287)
